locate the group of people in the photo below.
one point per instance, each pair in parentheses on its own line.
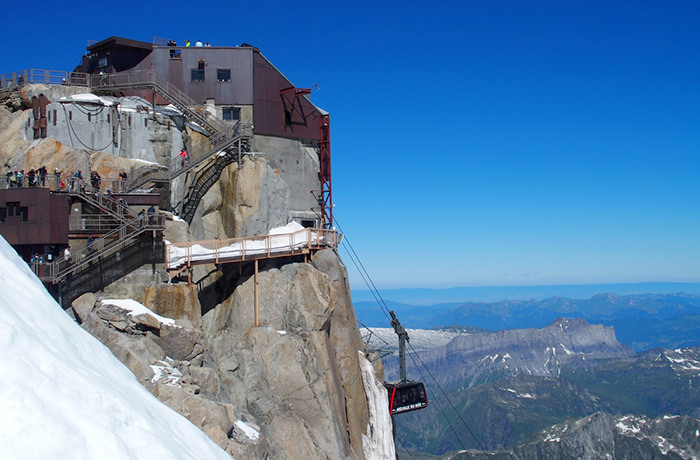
(32,178)
(38,258)
(188,44)
(72,181)
(151,215)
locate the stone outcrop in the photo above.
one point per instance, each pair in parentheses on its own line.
(296,376)
(290,386)
(247,201)
(544,352)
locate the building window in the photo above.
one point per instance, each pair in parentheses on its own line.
(231,113)
(223,75)
(197,75)
(103,62)
(14,209)
(176,54)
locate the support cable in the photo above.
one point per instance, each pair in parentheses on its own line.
(382,304)
(415,355)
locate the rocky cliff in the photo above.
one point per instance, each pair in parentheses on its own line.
(478,357)
(291,386)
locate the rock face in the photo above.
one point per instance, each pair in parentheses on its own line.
(296,376)
(290,386)
(513,352)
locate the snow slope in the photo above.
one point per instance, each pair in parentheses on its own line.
(65,396)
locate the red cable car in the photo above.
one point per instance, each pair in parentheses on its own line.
(404,395)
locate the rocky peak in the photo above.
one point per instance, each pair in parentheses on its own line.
(476,357)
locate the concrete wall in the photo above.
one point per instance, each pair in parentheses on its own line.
(129,132)
(297,165)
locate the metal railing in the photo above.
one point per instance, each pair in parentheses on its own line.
(48,77)
(179,165)
(54,181)
(92,222)
(150,79)
(111,242)
(179,256)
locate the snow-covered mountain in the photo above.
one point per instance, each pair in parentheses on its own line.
(64,395)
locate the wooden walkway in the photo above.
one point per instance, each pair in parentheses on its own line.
(182,256)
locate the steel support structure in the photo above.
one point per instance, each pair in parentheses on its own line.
(324,158)
(325,197)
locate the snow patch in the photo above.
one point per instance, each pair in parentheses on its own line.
(166,373)
(248,430)
(135,308)
(378,443)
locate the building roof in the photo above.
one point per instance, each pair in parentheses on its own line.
(118,42)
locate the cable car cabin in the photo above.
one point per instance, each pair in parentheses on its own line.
(406,396)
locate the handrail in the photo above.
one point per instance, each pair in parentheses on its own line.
(182,255)
(177,166)
(117,239)
(103,201)
(149,78)
(48,77)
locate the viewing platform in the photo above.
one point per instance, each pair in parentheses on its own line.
(182,256)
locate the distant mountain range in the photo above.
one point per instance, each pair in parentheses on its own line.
(642,321)
(426,296)
(561,391)
(611,375)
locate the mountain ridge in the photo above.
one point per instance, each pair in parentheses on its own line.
(461,294)
(642,321)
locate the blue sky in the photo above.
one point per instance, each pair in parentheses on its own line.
(474,143)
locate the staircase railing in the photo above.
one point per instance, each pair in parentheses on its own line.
(203,181)
(179,165)
(117,239)
(150,79)
(102,201)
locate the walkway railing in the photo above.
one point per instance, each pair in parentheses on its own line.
(181,256)
(139,79)
(47,77)
(82,259)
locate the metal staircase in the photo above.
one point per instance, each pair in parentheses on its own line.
(206,177)
(229,142)
(148,79)
(103,202)
(118,250)
(237,139)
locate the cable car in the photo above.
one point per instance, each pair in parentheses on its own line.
(404,395)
